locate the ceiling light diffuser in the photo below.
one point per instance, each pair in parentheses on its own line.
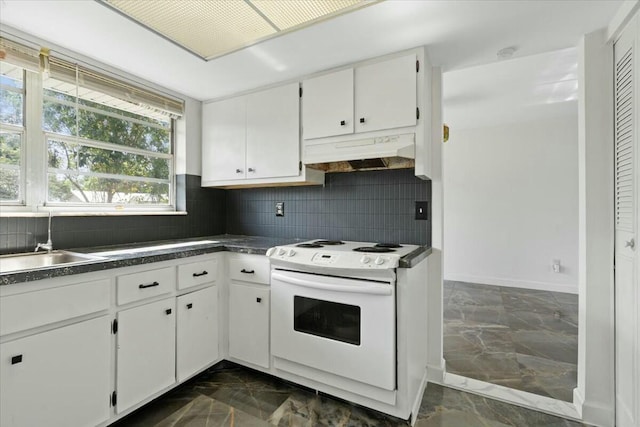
(211,28)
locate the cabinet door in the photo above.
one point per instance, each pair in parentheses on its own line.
(146,351)
(327,105)
(249,323)
(57,378)
(386,94)
(223,140)
(273,132)
(197,331)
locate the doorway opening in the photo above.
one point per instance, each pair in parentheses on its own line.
(510,296)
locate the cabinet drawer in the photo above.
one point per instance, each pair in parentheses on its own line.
(146,284)
(197,273)
(33,309)
(250,268)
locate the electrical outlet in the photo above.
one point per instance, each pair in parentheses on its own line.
(279,208)
(557,267)
(422,210)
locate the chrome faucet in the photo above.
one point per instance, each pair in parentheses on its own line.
(49,245)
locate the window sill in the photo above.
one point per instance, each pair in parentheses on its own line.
(17,214)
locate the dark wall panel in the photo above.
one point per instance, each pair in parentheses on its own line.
(369,206)
(206,217)
(375,206)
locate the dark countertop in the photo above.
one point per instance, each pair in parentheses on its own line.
(134,254)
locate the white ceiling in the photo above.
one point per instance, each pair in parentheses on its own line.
(459,34)
(535,87)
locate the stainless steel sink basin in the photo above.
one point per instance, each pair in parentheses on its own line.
(33,261)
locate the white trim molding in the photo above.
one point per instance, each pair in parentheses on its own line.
(517,397)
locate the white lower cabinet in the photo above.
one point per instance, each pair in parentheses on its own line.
(249,323)
(146,354)
(197,331)
(61,374)
(57,378)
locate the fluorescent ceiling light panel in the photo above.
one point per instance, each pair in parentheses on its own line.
(289,14)
(211,28)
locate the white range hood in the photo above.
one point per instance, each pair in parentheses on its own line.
(380,152)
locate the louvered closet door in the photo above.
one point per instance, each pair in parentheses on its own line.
(627,293)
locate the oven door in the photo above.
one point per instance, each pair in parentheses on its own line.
(343,326)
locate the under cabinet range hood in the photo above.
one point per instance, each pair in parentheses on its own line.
(380,152)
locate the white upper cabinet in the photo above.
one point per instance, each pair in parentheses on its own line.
(385,94)
(378,96)
(254,140)
(328,105)
(223,140)
(273,133)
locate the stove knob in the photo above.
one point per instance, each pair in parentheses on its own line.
(365,259)
(291,252)
(281,251)
(379,261)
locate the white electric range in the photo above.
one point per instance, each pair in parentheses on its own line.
(335,257)
(334,318)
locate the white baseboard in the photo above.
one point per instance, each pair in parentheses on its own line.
(435,373)
(578,400)
(514,283)
(598,415)
(415,408)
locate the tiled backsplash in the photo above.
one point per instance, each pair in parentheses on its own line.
(368,206)
(206,216)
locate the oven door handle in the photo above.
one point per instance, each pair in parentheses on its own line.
(369,289)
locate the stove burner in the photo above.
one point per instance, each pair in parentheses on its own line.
(375,249)
(328,242)
(308,245)
(387,245)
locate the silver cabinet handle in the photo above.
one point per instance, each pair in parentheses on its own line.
(630,244)
(251,170)
(238,170)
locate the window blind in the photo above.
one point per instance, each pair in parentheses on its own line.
(78,74)
(20,55)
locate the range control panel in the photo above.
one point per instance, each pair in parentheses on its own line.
(333,259)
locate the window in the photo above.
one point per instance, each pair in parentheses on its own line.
(100,153)
(96,143)
(11,133)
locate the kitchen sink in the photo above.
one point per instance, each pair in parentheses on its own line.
(31,261)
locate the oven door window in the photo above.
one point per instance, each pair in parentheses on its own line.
(327,319)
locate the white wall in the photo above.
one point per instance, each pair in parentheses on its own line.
(189,139)
(511,204)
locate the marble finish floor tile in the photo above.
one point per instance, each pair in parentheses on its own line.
(483,353)
(205,412)
(192,405)
(253,392)
(550,345)
(520,338)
